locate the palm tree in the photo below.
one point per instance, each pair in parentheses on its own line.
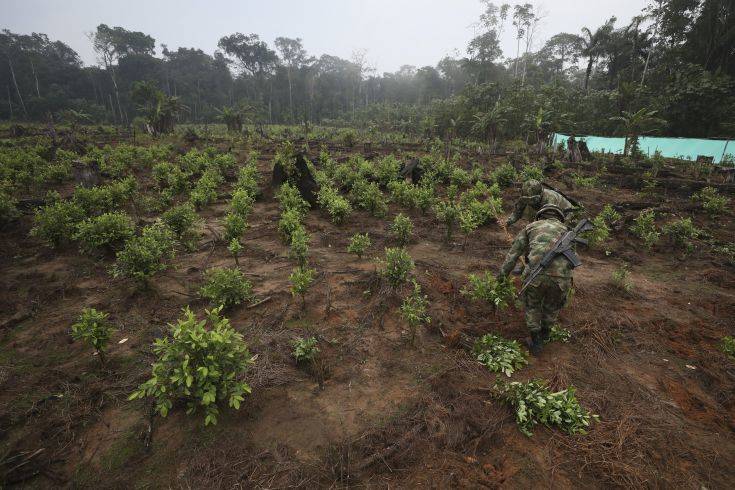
(592,45)
(488,124)
(635,124)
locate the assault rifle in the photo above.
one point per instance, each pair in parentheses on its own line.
(563,246)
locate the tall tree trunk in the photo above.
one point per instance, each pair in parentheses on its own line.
(17,90)
(35,76)
(10,103)
(112,108)
(117,93)
(290,96)
(589,72)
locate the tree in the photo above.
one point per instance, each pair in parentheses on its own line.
(161,110)
(488,123)
(592,45)
(111,44)
(256,59)
(294,55)
(563,48)
(635,124)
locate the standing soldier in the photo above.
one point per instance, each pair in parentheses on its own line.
(534,197)
(547,292)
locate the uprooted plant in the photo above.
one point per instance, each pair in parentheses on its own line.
(535,404)
(499,355)
(487,288)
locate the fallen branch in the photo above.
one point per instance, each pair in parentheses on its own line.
(258,303)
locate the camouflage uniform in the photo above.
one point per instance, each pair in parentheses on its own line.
(535,196)
(547,294)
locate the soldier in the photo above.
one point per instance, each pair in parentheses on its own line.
(547,293)
(535,196)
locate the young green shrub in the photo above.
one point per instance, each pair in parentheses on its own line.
(235,225)
(56,222)
(200,366)
(337,206)
(468,222)
(728,346)
(145,255)
(402,229)
(535,404)
(182,220)
(397,266)
(301,279)
(499,355)
(423,196)
(359,243)
(621,279)
(290,199)
(105,231)
(299,249)
(205,190)
(290,221)
(599,234)
(602,222)
(486,288)
(235,247)
(402,192)
(681,233)
(645,228)
(504,175)
(712,202)
(242,202)
(226,287)
(247,176)
(348,137)
(609,214)
(386,169)
(171,178)
(93,329)
(448,213)
(106,198)
(413,309)
(367,195)
(305,350)
(483,212)
(529,172)
(459,177)
(585,182)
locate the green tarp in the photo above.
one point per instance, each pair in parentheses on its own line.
(684,148)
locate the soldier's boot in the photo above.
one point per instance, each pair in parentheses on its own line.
(545,333)
(536,343)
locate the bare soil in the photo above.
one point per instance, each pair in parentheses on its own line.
(377,411)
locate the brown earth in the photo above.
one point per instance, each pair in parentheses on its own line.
(376,411)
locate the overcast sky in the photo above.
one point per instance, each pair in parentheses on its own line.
(393,32)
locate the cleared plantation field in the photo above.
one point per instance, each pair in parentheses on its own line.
(378,405)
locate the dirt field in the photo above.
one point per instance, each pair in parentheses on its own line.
(376,411)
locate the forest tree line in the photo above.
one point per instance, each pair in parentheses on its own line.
(670,70)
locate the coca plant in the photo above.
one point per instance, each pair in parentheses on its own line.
(201,363)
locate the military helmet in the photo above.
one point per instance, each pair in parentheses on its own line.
(532,187)
(550,208)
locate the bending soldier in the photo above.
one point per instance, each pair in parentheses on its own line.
(547,294)
(534,197)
